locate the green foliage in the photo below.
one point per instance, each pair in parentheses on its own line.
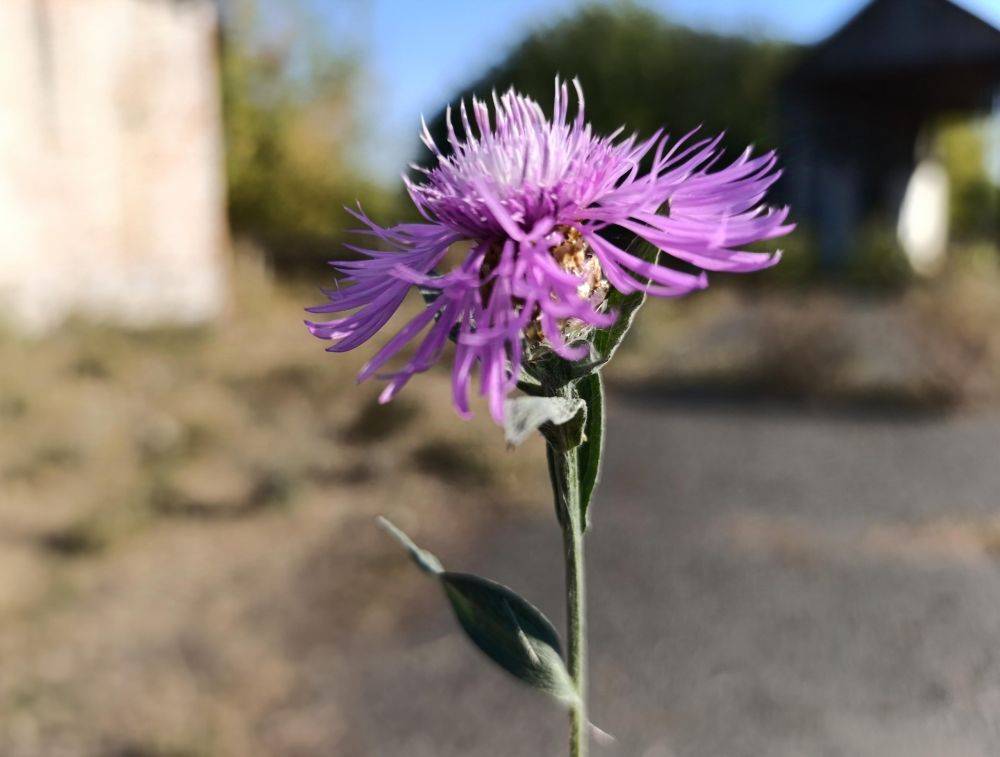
(503,625)
(588,457)
(879,262)
(289,101)
(640,70)
(975,201)
(511,632)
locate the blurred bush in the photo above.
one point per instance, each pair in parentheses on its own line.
(291,126)
(975,200)
(879,261)
(639,69)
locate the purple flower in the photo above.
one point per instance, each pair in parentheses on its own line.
(530,197)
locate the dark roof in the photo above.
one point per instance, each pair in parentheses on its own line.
(893,37)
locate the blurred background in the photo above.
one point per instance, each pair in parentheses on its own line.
(795,547)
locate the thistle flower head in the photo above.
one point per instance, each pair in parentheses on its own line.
(534,198)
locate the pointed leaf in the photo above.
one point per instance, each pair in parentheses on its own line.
(550,371)
(591,389)
(511,632)
(505,627)
(529,384)
(427,562)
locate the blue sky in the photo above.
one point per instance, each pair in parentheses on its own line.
(420,53)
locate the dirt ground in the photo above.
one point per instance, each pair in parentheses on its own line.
(794,549)
(186,529)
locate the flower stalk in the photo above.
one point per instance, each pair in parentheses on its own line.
(566,486)
(564,472)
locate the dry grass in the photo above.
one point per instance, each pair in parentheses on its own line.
(185,528)
(933,347)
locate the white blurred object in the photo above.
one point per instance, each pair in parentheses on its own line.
(111,180)
(923,218)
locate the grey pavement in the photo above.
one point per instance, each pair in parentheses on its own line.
(764,580)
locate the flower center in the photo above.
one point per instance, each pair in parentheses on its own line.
(573,255)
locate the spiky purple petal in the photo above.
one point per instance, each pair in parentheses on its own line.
(512,187)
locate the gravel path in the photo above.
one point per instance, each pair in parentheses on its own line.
(764,581)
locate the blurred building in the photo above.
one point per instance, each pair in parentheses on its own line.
(111,162)
(856,113)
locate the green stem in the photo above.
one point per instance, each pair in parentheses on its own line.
(566,486)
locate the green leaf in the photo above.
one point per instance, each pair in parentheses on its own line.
(530,384)
(550,371)
(591,390)
(522,415)
(504,626)
(511,632)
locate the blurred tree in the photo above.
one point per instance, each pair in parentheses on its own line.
(291,130)
(640,70)
(975,200)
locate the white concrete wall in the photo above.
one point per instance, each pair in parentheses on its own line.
(111,165)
